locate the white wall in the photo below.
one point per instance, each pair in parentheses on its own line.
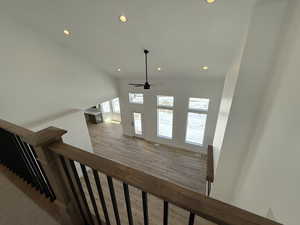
(226,101)
(262,40)
(270,179)
(41,79)
(181,89)
(77,135)
(74,122)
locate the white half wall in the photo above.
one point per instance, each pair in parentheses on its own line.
(77,132)
(226,101)
(42,80)
(181,89)
(258,55)
(270,179)
(73,122)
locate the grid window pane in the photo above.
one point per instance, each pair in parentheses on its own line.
(137,118)
(105,106)
(137,98)
(199,103)
(165,123)
(195,128)
(115,105)
(167,101)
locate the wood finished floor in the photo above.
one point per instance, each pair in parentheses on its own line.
(182,167)
(179,166)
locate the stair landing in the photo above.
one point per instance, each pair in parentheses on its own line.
(21,203)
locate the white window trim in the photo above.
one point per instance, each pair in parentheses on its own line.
(162,136)
(135,134)
(164,106)
(139,103)
(199,111)
(157,117)
(112,106)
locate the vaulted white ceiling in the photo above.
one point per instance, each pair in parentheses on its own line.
(182,35)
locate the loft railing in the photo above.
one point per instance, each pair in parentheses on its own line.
(58,161)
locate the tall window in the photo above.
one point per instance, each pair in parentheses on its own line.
(137,98)
(115,105)
(165,106)
(196,120)
(105,107)
(137,121)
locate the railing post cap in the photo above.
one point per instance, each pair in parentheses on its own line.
(45,136)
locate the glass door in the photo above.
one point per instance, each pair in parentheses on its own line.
(137,123)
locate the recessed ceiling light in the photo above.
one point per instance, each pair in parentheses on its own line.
(67,32)
(205,67)
(210,1)
(123,19)
(119,70)
(158,68)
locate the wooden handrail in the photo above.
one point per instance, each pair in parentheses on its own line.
(14,129)
(210,164)
(208,208)
(35,139)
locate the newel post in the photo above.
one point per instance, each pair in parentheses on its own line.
(65,203)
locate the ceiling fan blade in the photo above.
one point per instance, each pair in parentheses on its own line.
(136,85)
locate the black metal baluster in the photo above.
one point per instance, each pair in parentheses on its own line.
(166,211)
(113,199)
(44,189)
(63,162)
(101,196)
(23,168)
(30,175)
(145,207)
(88,185)
(192,218)
(22,160)
(128,204)
(81,191)
(42,173)
(47,183)
(31,164)
(36,179)
(208,188)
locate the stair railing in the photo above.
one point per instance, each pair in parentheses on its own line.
(58,162)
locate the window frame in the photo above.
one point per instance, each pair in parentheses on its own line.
(164,106)
(113,107)
(171,108)
(197,111)
(101,105)
(133,121)
(131,102)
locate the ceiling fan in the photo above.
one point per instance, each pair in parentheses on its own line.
(146,85)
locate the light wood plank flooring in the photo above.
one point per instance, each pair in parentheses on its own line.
(179,166)
(182,167)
